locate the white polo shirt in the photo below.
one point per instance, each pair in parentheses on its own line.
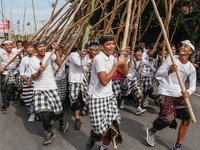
(75,67)
(46,80)
(101,63)
(169,84)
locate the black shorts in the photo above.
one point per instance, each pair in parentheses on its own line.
(183,114)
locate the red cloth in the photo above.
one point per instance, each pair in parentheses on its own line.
(118,75)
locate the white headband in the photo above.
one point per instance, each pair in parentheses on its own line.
(7,41)
(187,42)
(94,47)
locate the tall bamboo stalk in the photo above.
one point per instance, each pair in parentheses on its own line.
(23,30)
(34,17)
(51,19)
(135,33)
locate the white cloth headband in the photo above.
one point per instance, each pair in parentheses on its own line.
(7,41)
(187,42)
(94,47)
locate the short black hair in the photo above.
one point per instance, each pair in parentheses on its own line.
(80,47)
(105,37)
(19,41)
(74,50)
(138,48)
(24,42)
(173,45)
(150,46)
(94,43)
(61,46)
(159,48)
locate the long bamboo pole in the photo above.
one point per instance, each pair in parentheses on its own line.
(24,22)
(124,43)
(173,61)
(56,14)
(72,17)
(165,24)
(71,46)
(51,19)
(34,17)
(135,33)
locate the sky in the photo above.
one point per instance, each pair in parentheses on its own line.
(43,11)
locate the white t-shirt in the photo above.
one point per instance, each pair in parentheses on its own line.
(46,80)
(146,71)
(101,63)
(24,67)
(132,74)
(169,84)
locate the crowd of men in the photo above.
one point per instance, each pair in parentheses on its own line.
(97,81)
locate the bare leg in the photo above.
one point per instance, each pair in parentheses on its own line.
(182,131)
(105,140)
(77,114)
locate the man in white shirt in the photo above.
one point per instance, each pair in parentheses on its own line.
(8,74)
(171,98)
(93,51)
(27,90)
(104,113)
(147,76)
(77,83)
(61,76)
(131,85)
(46,99)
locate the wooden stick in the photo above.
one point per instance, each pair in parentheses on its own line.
(51,19)
(124,43)
(68,23)
(165,24)
(125,22)
(112,17)
(135,33)
(12,60)
(71,46)
(149,22)
(34,17)
(173,61)
(61,20)
(24,21)
(56,14)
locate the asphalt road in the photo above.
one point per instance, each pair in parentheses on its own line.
(17,134)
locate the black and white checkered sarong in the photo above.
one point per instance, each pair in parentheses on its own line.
(62,88)
(103,111)
(27,96)
(19,81)
(116,87)
(47,100)
(147,84)
(75,89)
(133,85)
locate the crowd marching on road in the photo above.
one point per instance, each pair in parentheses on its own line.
(97,82)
